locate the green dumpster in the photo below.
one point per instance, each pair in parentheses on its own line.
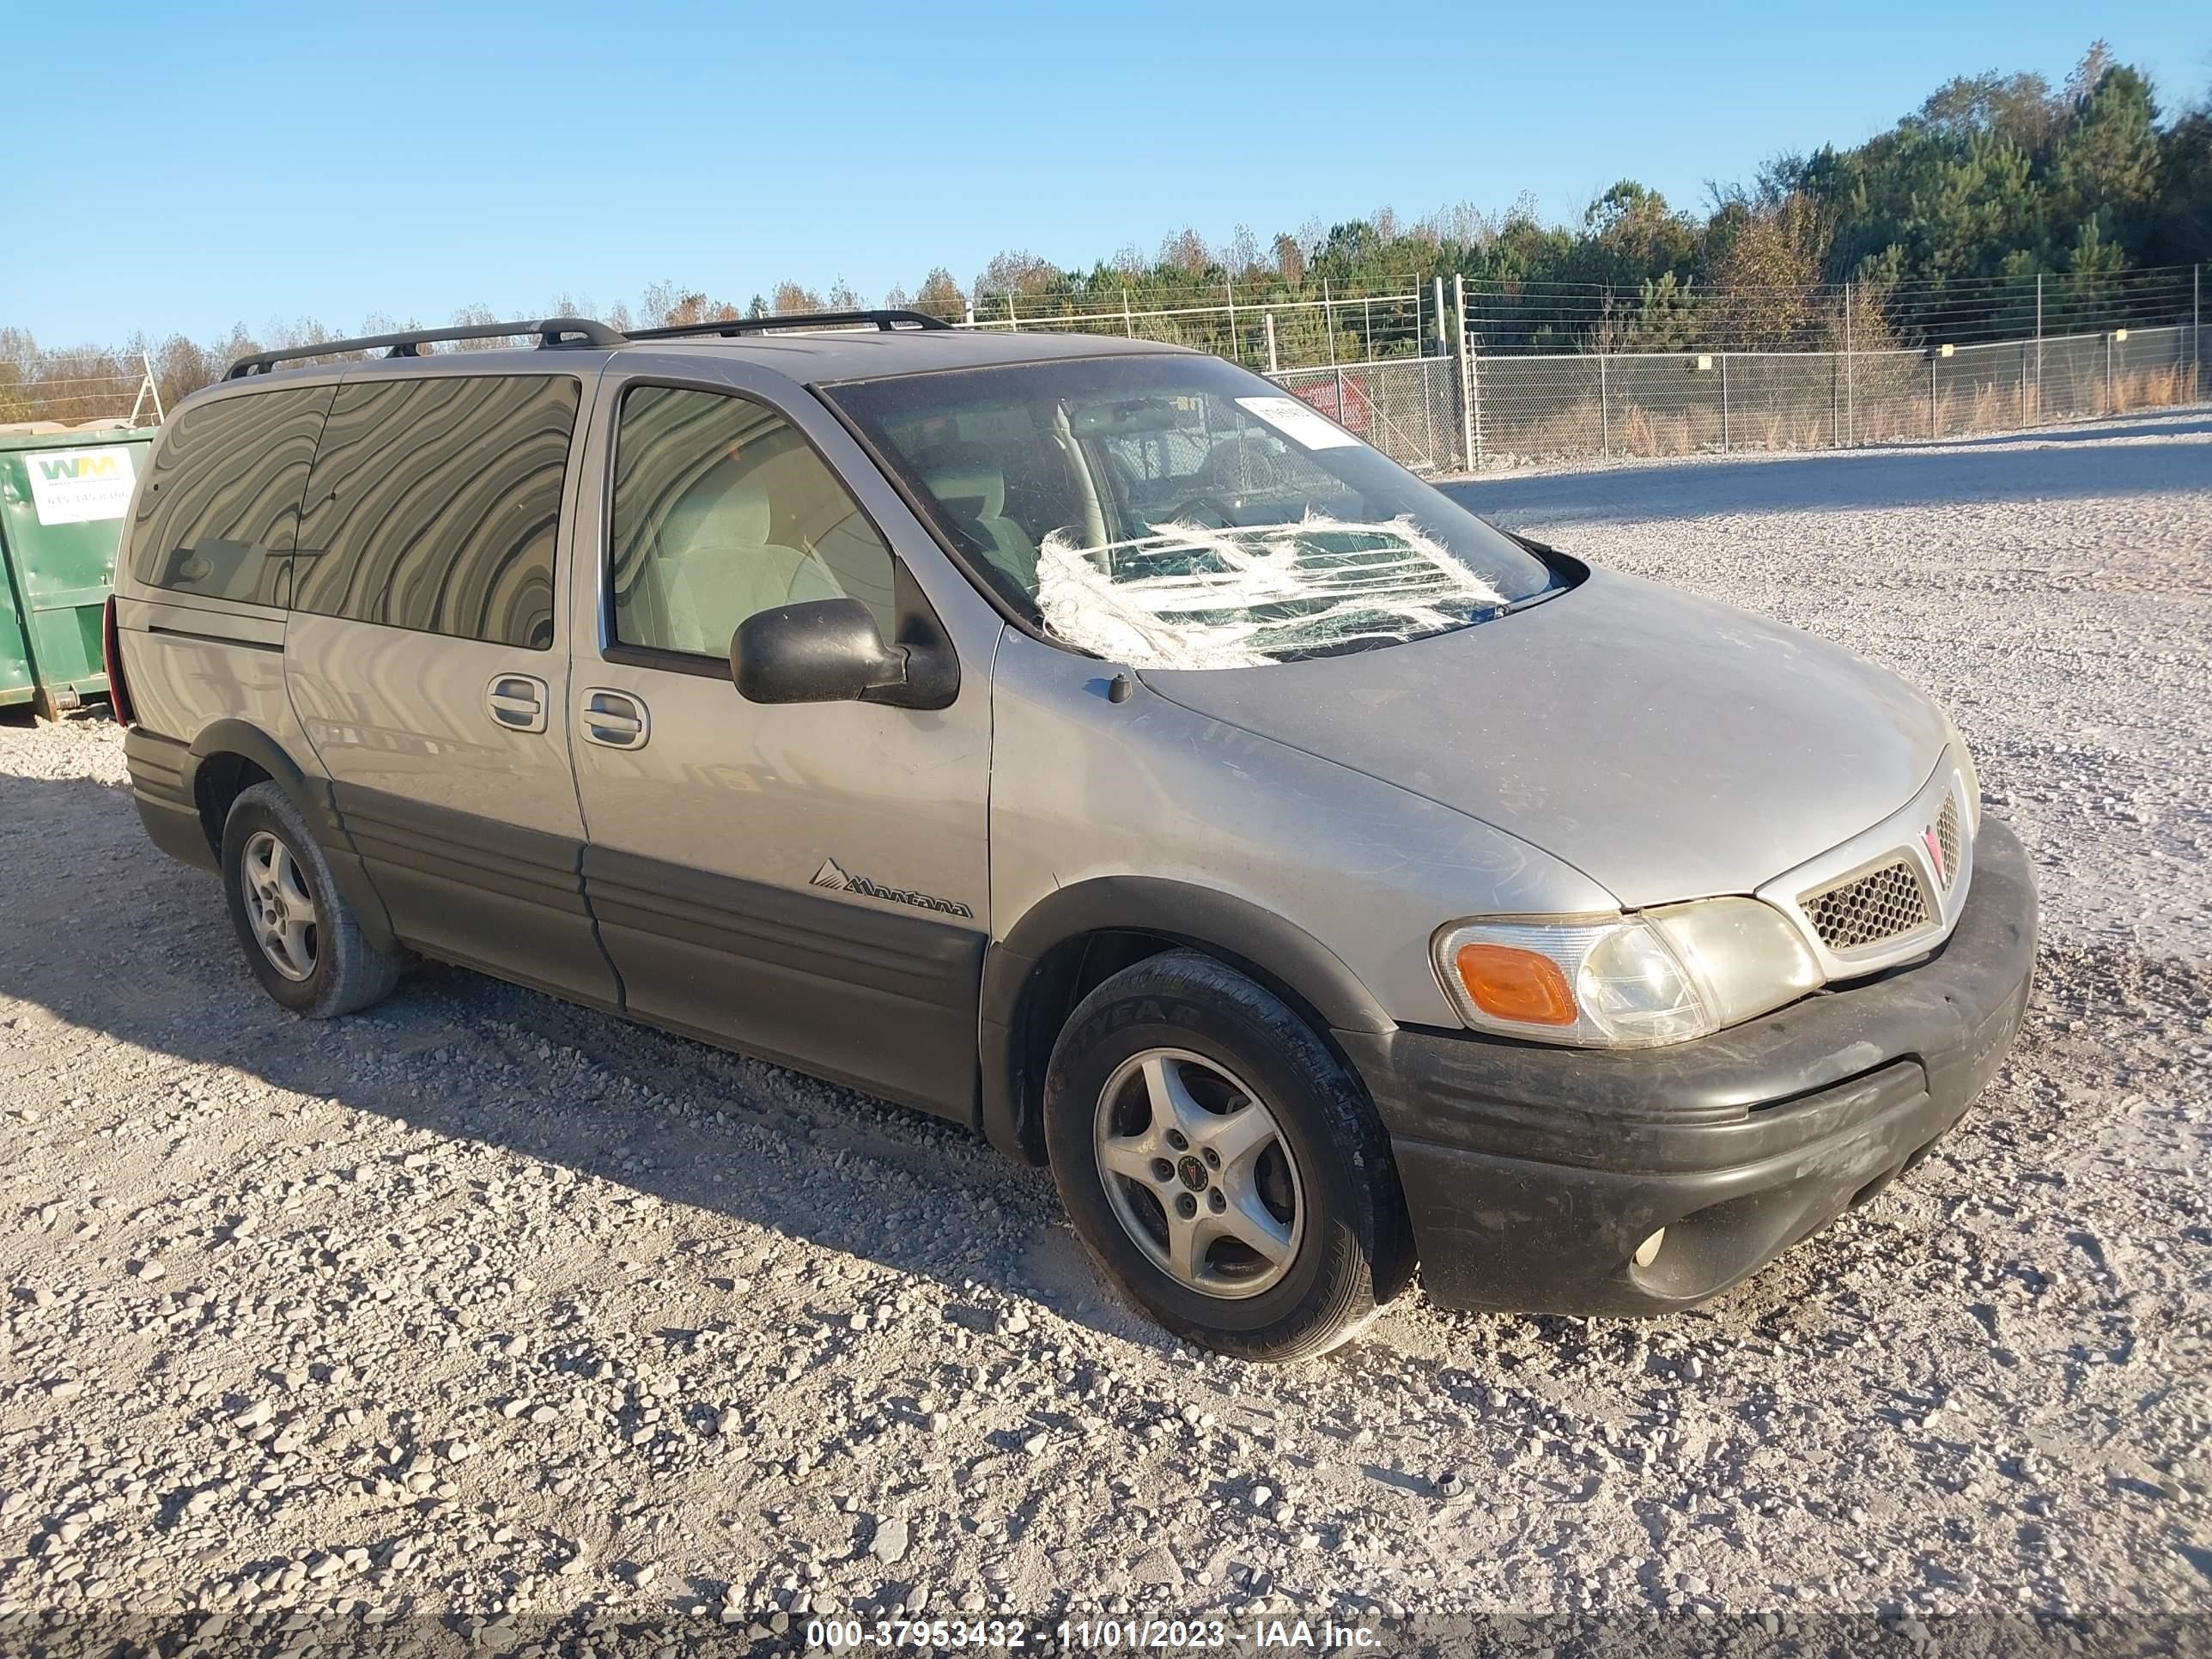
(63,496)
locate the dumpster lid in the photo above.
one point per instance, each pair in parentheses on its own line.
(49,435)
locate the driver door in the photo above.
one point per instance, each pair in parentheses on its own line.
(804,882)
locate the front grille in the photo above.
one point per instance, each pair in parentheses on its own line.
(1883,904)
(1947,837)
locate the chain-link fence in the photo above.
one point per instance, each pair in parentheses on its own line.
(1409,408)
(1544,407)
(1451,376)
(1264,328)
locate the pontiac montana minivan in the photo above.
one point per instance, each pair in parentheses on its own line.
(1088,742)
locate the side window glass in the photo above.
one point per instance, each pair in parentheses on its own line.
(435,504)
(722,510)
(220,507)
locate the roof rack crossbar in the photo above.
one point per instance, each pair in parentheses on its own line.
(551,331)
(886,317)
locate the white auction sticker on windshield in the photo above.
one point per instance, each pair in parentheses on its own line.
(1297,422)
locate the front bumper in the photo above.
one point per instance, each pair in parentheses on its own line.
(1532,1173)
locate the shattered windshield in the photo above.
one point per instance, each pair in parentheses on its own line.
(1175,512)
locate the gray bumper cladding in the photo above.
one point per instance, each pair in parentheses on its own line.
(1532,1175)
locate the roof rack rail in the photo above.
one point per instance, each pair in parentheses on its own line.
(886,317)
(551,331)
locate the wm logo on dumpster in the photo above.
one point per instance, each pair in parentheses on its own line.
(64,468)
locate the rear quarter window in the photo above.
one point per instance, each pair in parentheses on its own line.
(220,512)
(436,505)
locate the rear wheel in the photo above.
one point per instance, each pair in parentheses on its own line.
(1220,1164)
(302,939)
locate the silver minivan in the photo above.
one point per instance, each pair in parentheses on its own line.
(1089,742)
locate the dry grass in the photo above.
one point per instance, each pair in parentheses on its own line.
(1890,403)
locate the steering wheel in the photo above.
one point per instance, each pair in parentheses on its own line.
(1197,503)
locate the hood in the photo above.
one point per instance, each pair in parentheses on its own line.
(1667,746)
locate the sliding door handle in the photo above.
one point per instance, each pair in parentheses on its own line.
(517,701)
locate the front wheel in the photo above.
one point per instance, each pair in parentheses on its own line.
(1220,1164)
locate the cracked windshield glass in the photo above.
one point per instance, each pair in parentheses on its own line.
(1174,512)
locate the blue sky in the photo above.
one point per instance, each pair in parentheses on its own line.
(319,161)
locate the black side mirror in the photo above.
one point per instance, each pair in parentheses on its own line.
(821,651)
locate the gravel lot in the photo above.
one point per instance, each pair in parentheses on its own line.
(478,1310)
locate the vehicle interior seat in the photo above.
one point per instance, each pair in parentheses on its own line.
(718,566)
(969,483)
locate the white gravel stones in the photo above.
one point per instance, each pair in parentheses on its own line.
(418,1350)
(889,1544)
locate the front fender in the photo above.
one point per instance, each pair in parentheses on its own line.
(1278,952)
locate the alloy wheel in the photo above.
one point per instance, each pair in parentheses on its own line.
(278,905)
(1199,1173)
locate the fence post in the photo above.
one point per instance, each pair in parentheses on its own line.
(1236,346)
(147,388)
(1367,318)
(2109,409)
(1851,391)
(1470,391)
(2196,332)
(1441,339)
(1428,407)
(1931,394)
(1329,327)
(1128,323)
(1271,369)
(2023,383)
(2038,347)
(1604,410)
(1724,408)
(1013,318)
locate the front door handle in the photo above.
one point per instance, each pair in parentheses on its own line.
(616,720)
(517,701)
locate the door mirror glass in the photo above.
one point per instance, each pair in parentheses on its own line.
(820,651)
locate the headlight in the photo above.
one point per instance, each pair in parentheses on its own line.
(1631,982)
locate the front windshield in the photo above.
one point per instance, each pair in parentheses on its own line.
(1175,512)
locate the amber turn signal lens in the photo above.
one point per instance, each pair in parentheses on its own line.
(1516,985)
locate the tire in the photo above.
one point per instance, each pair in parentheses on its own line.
(1333,1245)
(316,962)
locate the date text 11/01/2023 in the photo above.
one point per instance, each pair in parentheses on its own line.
(1086,1635)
